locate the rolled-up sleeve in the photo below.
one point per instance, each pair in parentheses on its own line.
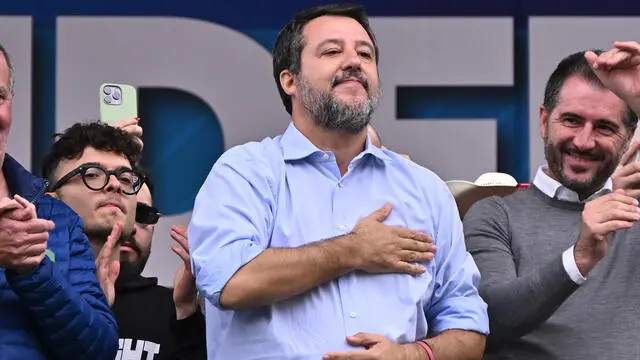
(231,220)
(455,303)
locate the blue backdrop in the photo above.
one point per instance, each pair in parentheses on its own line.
(177,181)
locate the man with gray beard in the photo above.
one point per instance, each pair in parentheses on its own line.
(317,244)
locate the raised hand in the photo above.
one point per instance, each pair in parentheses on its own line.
(185,293)
(108,264)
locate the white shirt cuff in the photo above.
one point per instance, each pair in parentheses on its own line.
(569,262)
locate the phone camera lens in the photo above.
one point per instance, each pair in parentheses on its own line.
(107,90)
(107,99)
(116,95)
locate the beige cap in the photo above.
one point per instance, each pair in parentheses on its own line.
(467,193)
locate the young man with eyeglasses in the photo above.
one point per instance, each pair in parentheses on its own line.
(79,167)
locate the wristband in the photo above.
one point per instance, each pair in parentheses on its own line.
(426,348)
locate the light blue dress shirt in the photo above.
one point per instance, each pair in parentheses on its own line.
(285,192)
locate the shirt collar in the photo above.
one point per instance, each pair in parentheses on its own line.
(296,146)
(554,189)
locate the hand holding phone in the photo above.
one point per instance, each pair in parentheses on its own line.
(119,108)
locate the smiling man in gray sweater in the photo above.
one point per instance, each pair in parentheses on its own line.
(559,260)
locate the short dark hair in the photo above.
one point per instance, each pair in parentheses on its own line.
(287,51)
(100,136)
(576,65)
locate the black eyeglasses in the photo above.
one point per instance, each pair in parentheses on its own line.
(96,177)
(146,214)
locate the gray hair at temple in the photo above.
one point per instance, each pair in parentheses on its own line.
(7,58)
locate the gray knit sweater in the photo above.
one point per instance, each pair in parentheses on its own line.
(536,311)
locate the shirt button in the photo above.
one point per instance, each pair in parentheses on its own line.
(340,184)
(325,156)
(342,228)
(352,314)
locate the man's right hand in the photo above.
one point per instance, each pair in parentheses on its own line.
(600,218)
(380,248)
(108,264)
(131,126)
(23,237)
(627,174)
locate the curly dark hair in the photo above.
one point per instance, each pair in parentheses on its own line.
(100,136)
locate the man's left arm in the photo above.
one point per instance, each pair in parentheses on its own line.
(457,315)
(72,316)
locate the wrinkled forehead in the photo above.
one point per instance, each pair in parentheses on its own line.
(590,101)
(335,28)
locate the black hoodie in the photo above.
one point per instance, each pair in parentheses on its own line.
(146,318)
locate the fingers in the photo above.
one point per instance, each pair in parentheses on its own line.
(622,213)
(106,252)
(607,58)
(630,46)
(348,355)
(628,183)
(135,130)
(409,268)
(126,122)
(179,234)
(37,238)
(132,127)
(28,263)
(630,154)
(182,253)
(381,214)
(633,192)
(615,225)
(620,196)
(7,205)
(27,206)
(29,245)
(412,234)
(36,249)
(418,246)
(114,271)
(115,233)
(622,55)
(616,57)
(615,206)
(415,256)
(180,229)
(364,339)
(626,170)
(35,226)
